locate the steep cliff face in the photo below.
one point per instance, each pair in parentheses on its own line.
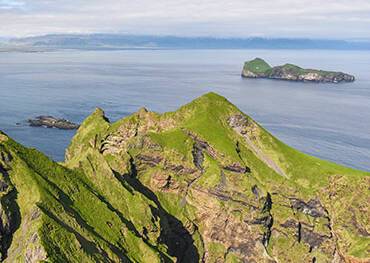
(202,184)
(258,68)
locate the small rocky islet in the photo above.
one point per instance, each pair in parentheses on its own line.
(259,68)
(52,122)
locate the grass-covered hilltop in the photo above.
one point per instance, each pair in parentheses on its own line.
(202,184)
(258,68)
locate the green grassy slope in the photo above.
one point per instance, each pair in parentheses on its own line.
(257,66)
(203,183)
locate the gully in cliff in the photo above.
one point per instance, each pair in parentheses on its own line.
(258,68)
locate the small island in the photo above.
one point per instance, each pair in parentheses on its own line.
(52,122)
(258,68)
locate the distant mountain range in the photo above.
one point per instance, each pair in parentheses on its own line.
(119,41)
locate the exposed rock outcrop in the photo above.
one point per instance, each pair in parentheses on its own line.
(52,122)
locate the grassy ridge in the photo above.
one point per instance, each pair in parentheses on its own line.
(202,183)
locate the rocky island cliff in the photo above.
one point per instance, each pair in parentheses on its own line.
(52,122)
(205,183)
(258,68)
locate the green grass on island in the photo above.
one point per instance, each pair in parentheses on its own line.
(257,65)
(258,68)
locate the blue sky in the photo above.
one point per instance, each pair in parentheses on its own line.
(339,19)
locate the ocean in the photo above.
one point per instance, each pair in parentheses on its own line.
(330,121)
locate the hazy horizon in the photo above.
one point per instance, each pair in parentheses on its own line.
(337,20)
(5,37)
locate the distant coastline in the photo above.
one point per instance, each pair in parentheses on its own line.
(127,42)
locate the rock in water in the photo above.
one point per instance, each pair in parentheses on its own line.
(258,68)
(52,122)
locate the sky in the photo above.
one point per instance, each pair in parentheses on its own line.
(329,19)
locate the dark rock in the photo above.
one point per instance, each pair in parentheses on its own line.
(268,220)
(306,234)
(175,168)
(179,169)
(203,145)
(314,240)
(3,186)
(289,224)
(198,156)
(52,122)
(149,160)
(312,208)
(5,157)
(237,168)
(256,191)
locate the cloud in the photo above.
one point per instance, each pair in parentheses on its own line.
(10,5)
(237,18)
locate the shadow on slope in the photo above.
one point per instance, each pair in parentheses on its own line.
(173,234)
(10,216)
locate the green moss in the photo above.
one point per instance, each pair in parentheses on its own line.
(212,176)
(82,212)
(174,139)
(257,66)
(216,251)
(293,69)
(88,135)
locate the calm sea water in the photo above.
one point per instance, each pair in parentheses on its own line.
(326,120)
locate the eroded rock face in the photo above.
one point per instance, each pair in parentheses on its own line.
(308,75)
(149,160)
(225,228)
(243,125)
(163,182)
(250,132)
(201,145)
(306,233)
(146,190)
(312,207)
(247,229)
(198,156)
(36,254)
(143,121)
(237,168)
